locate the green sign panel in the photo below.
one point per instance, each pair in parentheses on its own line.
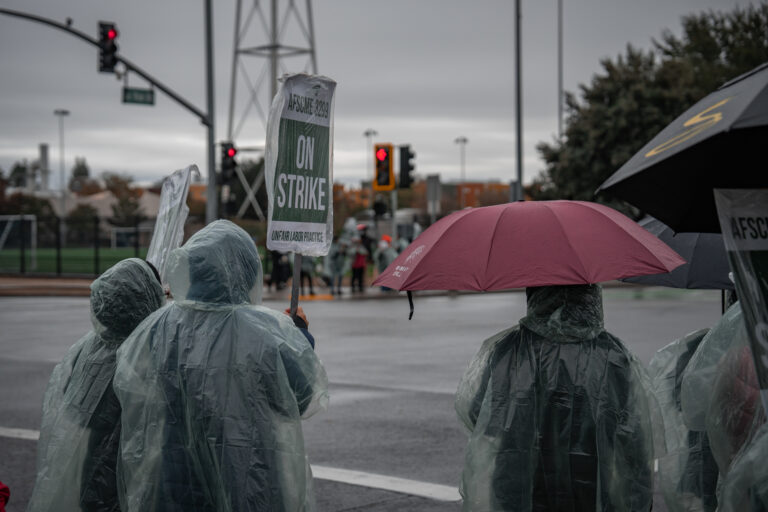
(138,96)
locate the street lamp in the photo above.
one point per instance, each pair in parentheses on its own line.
(462,142)
(60,112)
(369,134)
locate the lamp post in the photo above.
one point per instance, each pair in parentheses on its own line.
(61,113)
(462,142)
(369,134)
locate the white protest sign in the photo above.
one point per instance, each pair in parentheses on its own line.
(299,166)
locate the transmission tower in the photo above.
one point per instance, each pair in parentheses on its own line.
(279,40)
(278,34)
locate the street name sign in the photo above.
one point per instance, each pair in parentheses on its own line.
(138,96)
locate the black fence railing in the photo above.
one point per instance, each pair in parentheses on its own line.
(76,246)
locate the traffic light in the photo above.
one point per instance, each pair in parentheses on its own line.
(107,47)
(406,166)
(228,163)
(384,178)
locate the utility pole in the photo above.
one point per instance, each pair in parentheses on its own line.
(462,142)
(369,134)
(61,113)
(560,69)
(518,100)
(211,203)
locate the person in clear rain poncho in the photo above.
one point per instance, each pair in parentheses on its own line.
(78,448)
(720,396)
(688,472)
(213,387)
(558,412)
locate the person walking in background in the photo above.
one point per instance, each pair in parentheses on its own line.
(359,256)
(337,263)
(213,388)
(78,448)
(384,255)
(558,414)
(307,272)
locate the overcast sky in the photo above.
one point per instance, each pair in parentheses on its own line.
(421,72)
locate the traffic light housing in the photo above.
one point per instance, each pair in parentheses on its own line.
(406,166)
(384,177)
(107,47)
(228,163)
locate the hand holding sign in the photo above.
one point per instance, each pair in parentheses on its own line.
(299,169)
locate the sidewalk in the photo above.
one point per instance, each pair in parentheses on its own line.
(17,286)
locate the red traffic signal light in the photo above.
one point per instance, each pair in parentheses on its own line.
(228,163)
(107,47)
(384,177)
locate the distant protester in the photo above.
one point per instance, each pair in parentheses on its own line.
(78,447)
(558,413)
(213,388)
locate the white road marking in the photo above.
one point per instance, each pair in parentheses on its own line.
(345,476)
(388,483)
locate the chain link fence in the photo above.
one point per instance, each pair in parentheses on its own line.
(87,246)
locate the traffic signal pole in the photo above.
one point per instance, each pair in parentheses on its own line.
(211,206)
(205,118)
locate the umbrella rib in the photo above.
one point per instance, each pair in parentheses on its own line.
(490,249)
(585,274)
(642,246)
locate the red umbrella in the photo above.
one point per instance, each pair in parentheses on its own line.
(528,243)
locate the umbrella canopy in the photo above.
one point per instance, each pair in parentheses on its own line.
(707,266)
(717,143)
(523,244)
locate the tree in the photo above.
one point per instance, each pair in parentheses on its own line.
(3,186)
(81,182)
(19,174)
(639,93)
(80,222)
(127,211)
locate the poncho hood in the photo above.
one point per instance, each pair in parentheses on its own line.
(565,313)
(122,297)
(219,264)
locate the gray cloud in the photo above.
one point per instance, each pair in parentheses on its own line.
(419,72)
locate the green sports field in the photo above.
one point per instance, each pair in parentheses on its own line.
(73,260)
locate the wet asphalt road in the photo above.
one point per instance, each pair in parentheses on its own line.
(392,381)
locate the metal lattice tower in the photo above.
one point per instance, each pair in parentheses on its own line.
(278,38)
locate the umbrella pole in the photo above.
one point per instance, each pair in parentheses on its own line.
(296,283)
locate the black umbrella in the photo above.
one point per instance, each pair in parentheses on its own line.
(707,266)
(717,143)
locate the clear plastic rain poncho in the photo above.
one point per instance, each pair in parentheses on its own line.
(719,392)
(687,472)
(213,387)
(558,412)
(745,489)
(78,447)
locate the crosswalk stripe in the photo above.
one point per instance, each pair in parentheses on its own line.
(346,476)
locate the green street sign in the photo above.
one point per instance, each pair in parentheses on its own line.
(138,96)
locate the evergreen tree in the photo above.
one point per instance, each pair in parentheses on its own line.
(639,93)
